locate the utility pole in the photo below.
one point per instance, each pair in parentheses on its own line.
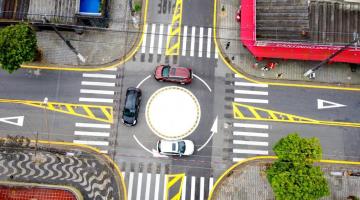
(45,104)
(312,70)
(67,42)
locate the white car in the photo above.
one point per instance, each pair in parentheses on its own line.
(175,148)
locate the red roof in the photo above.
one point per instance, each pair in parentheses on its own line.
(284,49)
(34,193)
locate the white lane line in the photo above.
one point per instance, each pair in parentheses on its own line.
(146,149)
(157,182)
(106,84)
(160,38)
(183,192)
(141,82)
(147,190)
(211,183)
(95,143)
(99,100)
(139,184)
(131,180)
(252,134)
(168,37)
(208,48)
(164,189)
(244,125)
(196,76)
(251,92)
(105,92)
(192,41)
(143,46)
(88,133)
(86,75)
(193,182)
(265,101)
(111,69)
(237,83)
(184,38)
(216,53)
(201,37)
(253,143)
(238,159)
(152,38)
(91,125)
(202,183)
(248,151)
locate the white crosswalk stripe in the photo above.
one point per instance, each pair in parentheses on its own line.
(93,83)
(95,143)
(105,92)
(98,100)
(89,133)
(194,39)
(111,76)
(249,138)
(150,186)
(92,125)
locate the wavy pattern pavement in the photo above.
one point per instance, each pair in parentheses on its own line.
(91,178)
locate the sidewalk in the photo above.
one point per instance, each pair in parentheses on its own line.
(228,30)
(248,181)
(62,164)
(99,47)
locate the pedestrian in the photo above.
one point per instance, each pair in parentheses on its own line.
(279,75)
(269,66)
(233,58)
(227,45)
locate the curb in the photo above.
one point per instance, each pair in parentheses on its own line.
(275,82)
(228,171)
(109,65)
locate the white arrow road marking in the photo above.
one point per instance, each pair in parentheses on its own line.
(321,104)
(19,120)
(214,129)
(156,154)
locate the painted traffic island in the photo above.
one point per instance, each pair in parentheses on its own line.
(173,113)
(247,180)
(46,166)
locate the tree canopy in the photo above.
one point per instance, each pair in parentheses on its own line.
(17,45)
(293,176)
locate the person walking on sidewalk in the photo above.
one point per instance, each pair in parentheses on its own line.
(269,66)
(227,45)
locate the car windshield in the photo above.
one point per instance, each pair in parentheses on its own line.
(165,71)
(130,101)
(129,113)
(182,147)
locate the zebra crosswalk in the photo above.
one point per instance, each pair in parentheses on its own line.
(96,88)
(248,138)
(146,186)
(194,42)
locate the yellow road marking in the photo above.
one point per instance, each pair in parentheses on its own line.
(228,171)
(173,41)
(227,63)
(171,180)
(114,65)
(276,116)
(87,147)
(80,110)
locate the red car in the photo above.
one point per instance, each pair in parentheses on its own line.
(180,75)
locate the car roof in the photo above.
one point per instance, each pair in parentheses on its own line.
(179,72)
(167,146)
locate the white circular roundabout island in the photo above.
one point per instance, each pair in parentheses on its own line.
(173,113)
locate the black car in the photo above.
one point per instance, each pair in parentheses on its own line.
(131,106)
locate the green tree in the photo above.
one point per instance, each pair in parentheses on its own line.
(293,176)
(17,45)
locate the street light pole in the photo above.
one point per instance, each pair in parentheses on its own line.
(312,70)
(45,102)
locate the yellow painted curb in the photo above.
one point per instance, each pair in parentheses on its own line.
(269,83)
(117,169)
(270,157)
(122,61)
